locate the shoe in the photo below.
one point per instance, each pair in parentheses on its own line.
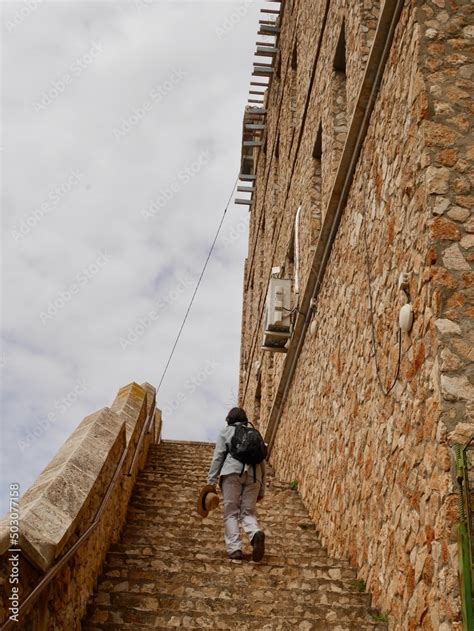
(258,545)
(236,556)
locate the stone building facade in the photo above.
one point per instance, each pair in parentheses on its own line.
(365,127)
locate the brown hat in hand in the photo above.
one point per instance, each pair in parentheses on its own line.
(208,500)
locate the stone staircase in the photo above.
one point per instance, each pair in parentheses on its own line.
(170,569)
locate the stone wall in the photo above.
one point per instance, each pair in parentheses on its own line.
(375,470)
(63,502)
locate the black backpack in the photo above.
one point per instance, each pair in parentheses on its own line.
(247,445)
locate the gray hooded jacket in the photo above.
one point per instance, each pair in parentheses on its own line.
(223,463)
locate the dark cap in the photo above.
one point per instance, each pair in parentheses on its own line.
(237,415)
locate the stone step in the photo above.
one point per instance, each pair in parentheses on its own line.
(177,446)
(189,491)
(157,545)
(187,622)
(174,450)
(180,444)
(180,464)
(212,545)
(157,602)
(188,467)
(198,478)
(314,625)
(166,487)
(190,475)
(192,619)
(186,510)
(320,588)
(183,461)
(199,473)
(190,585)
(214,531)
(189,521)
(187,503)
(273,565)
(197,535)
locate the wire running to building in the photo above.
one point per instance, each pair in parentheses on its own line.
(196,289)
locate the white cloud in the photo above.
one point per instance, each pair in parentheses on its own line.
(42,362)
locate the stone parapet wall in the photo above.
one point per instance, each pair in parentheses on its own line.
(375,470)
(63,502)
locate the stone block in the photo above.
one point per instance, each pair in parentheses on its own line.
(131,404)
(453,258)
(458,387)
(447,327)
(51,508)
(437,180)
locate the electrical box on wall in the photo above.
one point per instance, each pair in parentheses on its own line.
(277,315)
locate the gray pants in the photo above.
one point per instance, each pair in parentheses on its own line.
(240,497)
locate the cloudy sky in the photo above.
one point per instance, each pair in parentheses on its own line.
(121,130)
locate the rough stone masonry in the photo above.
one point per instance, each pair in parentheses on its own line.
(374,469)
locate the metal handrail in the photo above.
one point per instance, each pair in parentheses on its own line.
(146,424)
(48,577)
(465,536)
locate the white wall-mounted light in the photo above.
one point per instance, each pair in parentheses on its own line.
(406,318)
